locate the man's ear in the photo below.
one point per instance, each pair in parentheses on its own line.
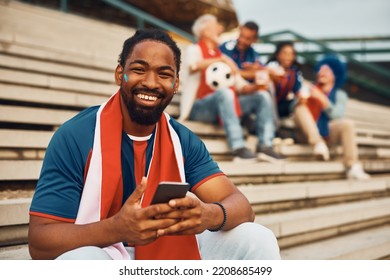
(176,84)
(118,75)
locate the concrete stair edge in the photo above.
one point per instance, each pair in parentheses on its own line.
(295,222)
(368,244)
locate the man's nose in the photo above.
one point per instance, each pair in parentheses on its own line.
(150,80)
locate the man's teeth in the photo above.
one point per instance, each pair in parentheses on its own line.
(147,97)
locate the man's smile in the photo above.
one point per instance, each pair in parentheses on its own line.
(146,99)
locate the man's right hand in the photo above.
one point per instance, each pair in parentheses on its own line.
(137,225)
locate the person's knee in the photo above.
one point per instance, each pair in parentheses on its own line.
(85,253)
(263,98)
(260,241)
(225,95)
(348,124)
(256,241)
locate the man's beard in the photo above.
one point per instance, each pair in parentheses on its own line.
(141,114)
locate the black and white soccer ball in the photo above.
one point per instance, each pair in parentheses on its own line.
(219,75)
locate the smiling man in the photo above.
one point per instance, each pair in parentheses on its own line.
(102,168)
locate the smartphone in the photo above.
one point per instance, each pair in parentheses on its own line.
(169,190)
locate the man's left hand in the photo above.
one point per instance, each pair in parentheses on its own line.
(193,216)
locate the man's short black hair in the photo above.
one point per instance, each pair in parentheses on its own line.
(252,26)
(149,34)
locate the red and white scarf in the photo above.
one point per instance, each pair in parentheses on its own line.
(103,188)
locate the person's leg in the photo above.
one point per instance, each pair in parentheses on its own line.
(220,106)
(265,119)
(342,131)
(305,121)
(85,253)
(260,104)
(248,241)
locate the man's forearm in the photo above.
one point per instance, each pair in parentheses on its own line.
(49,240)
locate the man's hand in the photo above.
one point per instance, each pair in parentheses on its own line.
(138,225)
(255,66)
(192,216)
(231,64)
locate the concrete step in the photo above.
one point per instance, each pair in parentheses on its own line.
(294,195)
(54,97)
(370,244)
(10,170)
(18,138)
(18,252)
(14,219)
(32,115)
(371,132)
(240,173)
(26,25)
(293,171)
(373,150)
(14,211)
(368,146)
(50,81)
(55,68)
(307,225)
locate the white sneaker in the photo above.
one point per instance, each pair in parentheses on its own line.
(356,172)
(320,149)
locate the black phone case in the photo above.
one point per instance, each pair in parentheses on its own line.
(169,190)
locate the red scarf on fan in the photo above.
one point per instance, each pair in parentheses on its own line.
(315,106)
(103,189)
(204,89)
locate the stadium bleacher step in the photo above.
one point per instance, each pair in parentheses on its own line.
(39,66)
(36,95)
(18,252)
(32,115)
(41,29)
(14,220)
(266,198)
(47,80)
(370,244)
(240,174)
(306,225)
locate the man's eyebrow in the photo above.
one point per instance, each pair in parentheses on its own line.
(138,61)
(167,67)
(143,62)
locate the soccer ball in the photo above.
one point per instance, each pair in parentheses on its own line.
(219,75)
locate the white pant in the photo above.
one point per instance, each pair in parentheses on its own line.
(248,241)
